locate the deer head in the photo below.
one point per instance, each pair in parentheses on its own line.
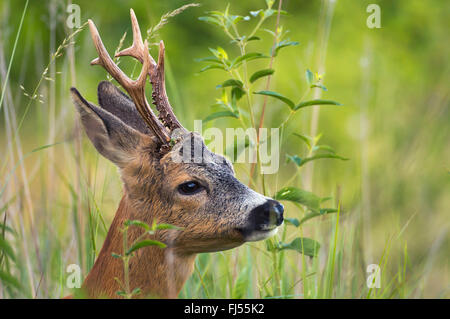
(164,178)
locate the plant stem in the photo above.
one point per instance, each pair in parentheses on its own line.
(276,274)
(13,54)
(126,259)
(261,119)
(324,32)
(333,257)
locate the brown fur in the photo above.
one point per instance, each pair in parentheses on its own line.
(151,268)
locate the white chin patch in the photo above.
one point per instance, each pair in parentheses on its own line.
(261,234)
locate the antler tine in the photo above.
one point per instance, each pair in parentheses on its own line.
(139,51)
(136,89)
(104,58)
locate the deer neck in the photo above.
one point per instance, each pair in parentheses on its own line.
(157,272)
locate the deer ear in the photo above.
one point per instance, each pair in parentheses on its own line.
(118,103)
(112,138)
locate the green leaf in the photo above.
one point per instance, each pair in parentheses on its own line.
(267,13)
(6,248)
(318,85)
(222,53)
(323,148)
(212,59)
(324,211)
(270,12)
(227,10)
(255,13)
(167,226)
(277,96)
(321,212)
(292,221)
(216,13)
(300,196)
(212,66)
(315,102)
(261,73)
(116,255)
(7,279)
(234,19)
(305,138)
(282,44)
(309,77)
(230,82)
(270,3)
(224,106)
(306,246)
(294,159)
(145,243)
(253,38)
(325,199)
(236,94)
(136,291)
(217,115)
(319,156)
(211,20)
(247,57)
(219,53)
(270,32)
(137,223)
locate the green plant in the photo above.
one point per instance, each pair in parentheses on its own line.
(239,100)
(130,249)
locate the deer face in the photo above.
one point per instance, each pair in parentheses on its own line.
(216,210)
(197,192)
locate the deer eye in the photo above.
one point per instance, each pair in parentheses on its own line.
(190,188)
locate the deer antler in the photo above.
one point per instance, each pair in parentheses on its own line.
(156,72)
(136,89)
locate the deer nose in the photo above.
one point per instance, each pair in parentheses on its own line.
(267,215)
(277,209)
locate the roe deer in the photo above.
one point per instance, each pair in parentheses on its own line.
(215,211)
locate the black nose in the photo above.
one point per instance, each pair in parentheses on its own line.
(267,215)
(277,209)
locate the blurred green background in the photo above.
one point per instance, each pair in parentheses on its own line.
(394,128)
